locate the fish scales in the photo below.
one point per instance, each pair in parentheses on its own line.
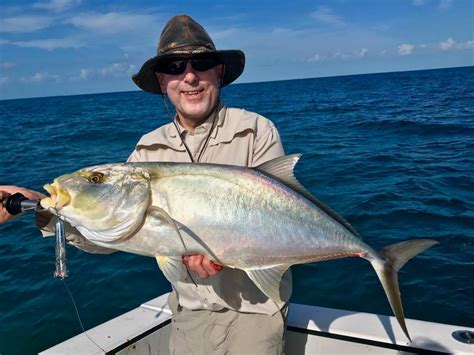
(265,218)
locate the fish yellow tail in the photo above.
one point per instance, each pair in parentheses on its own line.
(391,259)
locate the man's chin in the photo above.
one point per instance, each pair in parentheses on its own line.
(195,113)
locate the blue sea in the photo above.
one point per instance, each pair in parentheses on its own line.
(393,153)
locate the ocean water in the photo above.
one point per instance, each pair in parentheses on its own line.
(392,153)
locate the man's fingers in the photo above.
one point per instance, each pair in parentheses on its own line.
(30,194)
(201,265)
(3,195)
(194,263)
(210,267)
(195,260)
(4,215)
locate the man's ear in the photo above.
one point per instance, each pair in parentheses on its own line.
(161,82)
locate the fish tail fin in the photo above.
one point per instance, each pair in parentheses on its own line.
(391,260)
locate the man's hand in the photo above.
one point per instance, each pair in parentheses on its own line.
(7,190)
(201,265)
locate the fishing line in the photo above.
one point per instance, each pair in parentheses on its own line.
(78,316)
(206,143)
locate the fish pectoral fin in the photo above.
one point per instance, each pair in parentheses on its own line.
(268,280)
(154,210)
(171,267)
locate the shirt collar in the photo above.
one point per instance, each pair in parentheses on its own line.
(168,135)
(203,127)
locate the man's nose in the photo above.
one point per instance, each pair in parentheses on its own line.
(190,75)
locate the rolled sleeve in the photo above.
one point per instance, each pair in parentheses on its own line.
(267,147)
(134,157)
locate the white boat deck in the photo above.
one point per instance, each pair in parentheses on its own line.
(311,330)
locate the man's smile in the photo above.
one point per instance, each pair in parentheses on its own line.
(192,93)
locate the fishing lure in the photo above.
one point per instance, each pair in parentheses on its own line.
(61,267)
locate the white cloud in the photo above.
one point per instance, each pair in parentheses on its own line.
(48,44)
(24,24)
(451,44)
(363,52)
(112,22)
(85,74)
(418,2)
(40,77)
(114,70)
(56,5)
(118,69)
(325,15)
(339,55)
(467,45)
(448,44)
(405,49)
(316,58)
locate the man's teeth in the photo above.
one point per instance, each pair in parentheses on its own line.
(192,93)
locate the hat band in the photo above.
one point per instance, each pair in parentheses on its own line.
(186,49)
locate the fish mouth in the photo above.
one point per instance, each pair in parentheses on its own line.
(58,198)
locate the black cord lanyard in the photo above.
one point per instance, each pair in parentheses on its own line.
(204,147)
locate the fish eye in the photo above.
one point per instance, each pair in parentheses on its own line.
(96,178)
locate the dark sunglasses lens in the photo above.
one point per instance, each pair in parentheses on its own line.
(175,67)
(204,64)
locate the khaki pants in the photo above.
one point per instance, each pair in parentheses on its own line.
(225,331)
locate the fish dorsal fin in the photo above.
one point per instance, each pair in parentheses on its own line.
(268,280)
(282,169)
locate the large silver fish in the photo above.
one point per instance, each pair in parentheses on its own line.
(258,220)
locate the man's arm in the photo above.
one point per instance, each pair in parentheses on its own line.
(7,190)
(268,146)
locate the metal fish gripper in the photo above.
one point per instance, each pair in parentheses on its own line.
(61,267)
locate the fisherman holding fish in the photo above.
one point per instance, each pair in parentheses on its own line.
(239,229)
(221,310)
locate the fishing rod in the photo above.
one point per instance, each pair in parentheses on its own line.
(17,203)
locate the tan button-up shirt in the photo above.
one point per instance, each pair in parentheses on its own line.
(239,138)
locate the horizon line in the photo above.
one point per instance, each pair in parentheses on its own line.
(245,83)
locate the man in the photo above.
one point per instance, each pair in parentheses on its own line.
(223,311)
(7,190)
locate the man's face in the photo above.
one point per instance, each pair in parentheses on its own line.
(194,93)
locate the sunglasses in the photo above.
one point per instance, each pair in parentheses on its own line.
(178,66)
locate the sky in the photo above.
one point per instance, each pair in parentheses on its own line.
(67,47)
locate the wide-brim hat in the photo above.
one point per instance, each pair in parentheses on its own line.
(183,37)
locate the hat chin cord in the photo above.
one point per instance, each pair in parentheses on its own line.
(181,136)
